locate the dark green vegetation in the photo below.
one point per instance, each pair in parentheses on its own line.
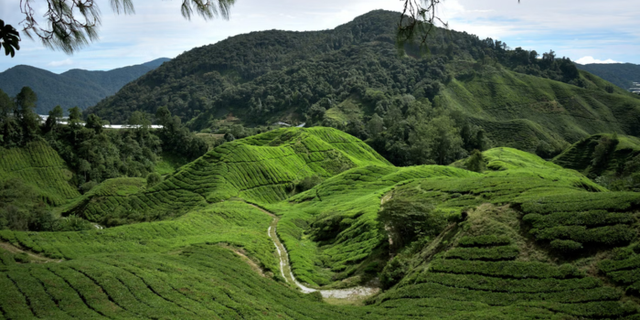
(525,238)
(468,92)
(611,160)
(73,88)
(621,74)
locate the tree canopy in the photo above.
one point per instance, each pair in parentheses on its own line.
(69,25)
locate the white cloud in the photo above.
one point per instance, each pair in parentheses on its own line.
(572,28)
(65,62)
(590,59)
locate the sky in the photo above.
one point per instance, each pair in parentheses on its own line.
(587,31)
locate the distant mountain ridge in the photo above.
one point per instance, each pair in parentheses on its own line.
(621,74)
(75,87)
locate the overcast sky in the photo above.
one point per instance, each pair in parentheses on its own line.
(587,31)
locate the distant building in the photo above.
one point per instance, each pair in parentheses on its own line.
(635,88)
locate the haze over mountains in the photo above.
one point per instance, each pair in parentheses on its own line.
(76,87)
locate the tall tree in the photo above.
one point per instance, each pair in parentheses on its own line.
(27,118)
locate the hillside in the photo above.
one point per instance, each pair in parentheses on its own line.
(264,168)
(40,167)
(344,77)
(523,239)
(620,74)
(76,87)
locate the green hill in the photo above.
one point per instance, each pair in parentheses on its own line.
(40,167)
(264,168)
(524,239)
(76,87)
(519,110)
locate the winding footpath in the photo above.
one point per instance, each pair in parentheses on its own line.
(287,274)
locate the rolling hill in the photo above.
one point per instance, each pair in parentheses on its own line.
(523,239)
(76,87)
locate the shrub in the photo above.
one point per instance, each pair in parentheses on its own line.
(153,179)
(393,272)
(485,240)
(406,220)
(565,245)
(476,162)
(308,183)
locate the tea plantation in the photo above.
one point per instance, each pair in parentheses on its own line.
(40,167)
(524,239)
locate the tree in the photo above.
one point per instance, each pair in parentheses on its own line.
(72,24)
(418,19)
(9,39)
(75,117)
(405,221)
(94,122)
(28,120)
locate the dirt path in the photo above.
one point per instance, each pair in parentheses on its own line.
(287,274)
(34,257)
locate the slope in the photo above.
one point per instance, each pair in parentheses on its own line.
(525,239)
(519,110)
(181,269)
(535,243)
(76,87)
(39,166)
(332,232)
(262,168)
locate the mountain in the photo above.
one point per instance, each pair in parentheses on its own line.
(621,74)
(344,77)
(75,87)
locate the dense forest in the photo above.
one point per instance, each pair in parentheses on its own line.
(479,92)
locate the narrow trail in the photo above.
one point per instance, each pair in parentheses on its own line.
(35,257)
(287,274)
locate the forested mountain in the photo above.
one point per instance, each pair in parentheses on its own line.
(76,87)
(352,78)
(620,74)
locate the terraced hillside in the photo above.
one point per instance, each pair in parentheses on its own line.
(488,263)
(580,156)
(524,239)
(263,168)
(331,231)
(40,167)
(519,110)
(160,270)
